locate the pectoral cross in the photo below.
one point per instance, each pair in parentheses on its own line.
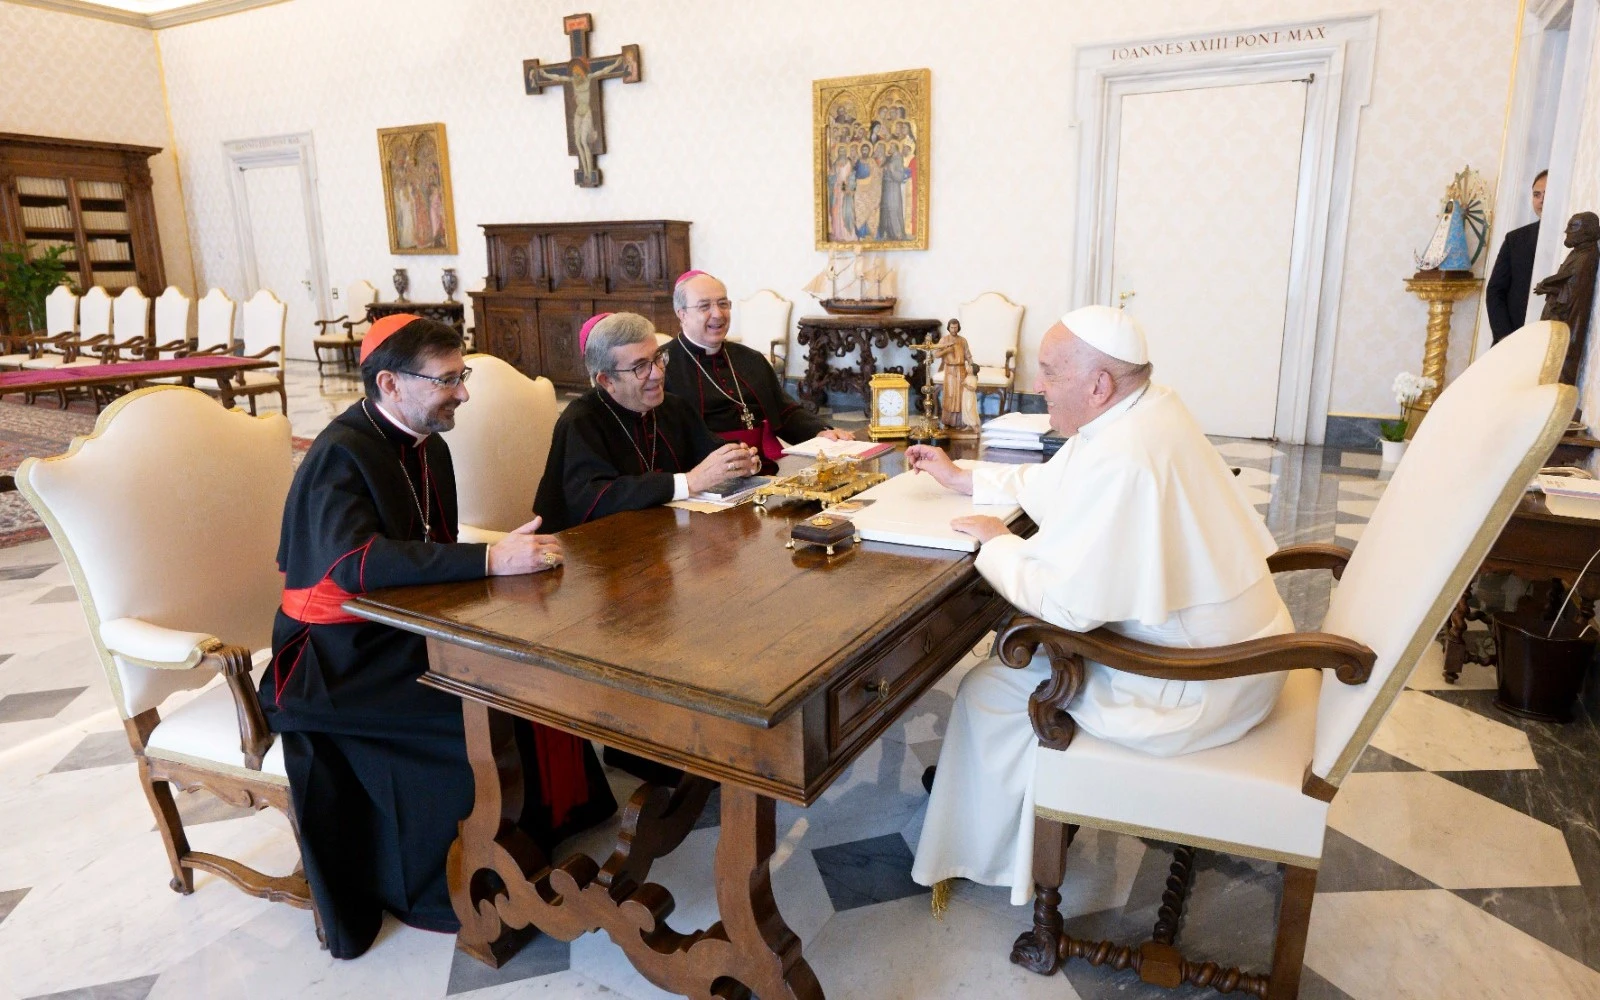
(580,78)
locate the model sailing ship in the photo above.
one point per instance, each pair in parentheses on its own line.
(854,284)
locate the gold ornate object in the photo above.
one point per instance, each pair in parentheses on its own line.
(830,480)
(928,430)
(890,406)
(1441,294)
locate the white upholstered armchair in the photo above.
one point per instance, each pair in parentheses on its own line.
(1267,795)
(992,325)
(172,602)
(499,446)
(763,323)
(341,336)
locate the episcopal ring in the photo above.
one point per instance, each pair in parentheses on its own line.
(551,559)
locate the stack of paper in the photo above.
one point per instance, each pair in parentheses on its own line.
(1017,431)
(859,450)
(913,509)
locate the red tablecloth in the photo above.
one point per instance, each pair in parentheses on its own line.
(49,378)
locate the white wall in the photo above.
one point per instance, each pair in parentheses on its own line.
(719,133)
(75,77)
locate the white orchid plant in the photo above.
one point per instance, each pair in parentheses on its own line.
(1408,388)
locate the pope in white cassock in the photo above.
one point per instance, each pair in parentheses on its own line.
(1142,529)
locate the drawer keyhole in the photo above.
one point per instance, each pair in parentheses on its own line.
(879,688)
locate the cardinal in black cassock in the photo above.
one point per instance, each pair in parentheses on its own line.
(377,762)
(733,387)
(628,444)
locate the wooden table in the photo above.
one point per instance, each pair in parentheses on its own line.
(1537,546)
(221,367)
(827,337)
(700,641)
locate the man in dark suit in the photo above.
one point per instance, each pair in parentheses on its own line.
(1507,294)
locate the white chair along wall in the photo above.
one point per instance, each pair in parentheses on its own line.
(992,326)
(214,323)
(173,309)
(762,322)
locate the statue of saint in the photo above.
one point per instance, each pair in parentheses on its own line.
(1569,293)
(958,401)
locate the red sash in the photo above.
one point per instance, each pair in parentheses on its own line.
(763,439)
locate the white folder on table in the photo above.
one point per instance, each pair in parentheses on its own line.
(913,509)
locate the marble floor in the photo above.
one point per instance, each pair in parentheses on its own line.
(1463,858)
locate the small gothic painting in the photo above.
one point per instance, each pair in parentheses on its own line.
(416,189)
(870,161)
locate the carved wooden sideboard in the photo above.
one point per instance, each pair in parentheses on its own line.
(545,279)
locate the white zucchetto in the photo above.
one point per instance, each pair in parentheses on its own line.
(1110,331)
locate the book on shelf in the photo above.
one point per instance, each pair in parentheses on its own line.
(105,220)
(42,187)
(115,279)
(99,190)
(46,217)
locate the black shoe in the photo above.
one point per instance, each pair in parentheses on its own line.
(927,778)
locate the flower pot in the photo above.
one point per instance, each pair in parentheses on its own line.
(1539,677)
(1392,451)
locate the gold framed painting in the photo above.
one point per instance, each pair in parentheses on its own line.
(416,189)
(870,161)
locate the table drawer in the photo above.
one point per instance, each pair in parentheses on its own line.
(884,682)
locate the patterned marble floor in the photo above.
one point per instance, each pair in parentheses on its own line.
(1463,859)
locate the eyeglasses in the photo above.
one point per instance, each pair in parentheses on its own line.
(442,381)
(704,308)
(641,369)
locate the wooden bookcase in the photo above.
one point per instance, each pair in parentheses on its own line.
(545,279)
(92,196)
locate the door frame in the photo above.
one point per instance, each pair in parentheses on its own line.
(1337,55)
(1541,111)
(291,150)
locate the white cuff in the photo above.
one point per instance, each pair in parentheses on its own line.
(680,486)
(150,645)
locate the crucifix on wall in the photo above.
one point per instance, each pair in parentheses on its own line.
(580,78)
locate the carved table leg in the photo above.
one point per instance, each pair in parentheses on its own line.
(502,887)
(764,956)
(818,347)
(489,836)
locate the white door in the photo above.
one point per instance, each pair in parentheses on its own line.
(283,252)
(1206,183)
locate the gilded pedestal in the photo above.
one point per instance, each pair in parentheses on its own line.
(1441,294)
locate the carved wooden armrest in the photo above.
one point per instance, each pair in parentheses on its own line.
(264,352)
(255,739)
(1313,555)
(149,645)
(325,323)
(1011,368)
(1350,661)
(177,348)
(111,349)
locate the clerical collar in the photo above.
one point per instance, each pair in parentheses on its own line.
(1122,406)
(398,423)
(690,341)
